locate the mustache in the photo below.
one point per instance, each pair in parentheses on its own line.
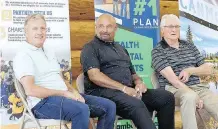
(104,34)
(39,35)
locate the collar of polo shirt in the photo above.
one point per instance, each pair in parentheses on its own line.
(164,44)
(105,42)
(32,47)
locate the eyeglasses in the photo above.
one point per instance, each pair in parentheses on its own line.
(171,26)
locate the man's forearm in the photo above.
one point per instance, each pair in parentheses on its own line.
(178,84)
(169,74)
(69,86)
(204,69)
(103,80)
(41,92)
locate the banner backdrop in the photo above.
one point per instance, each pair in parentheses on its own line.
(12,16)
(199,25)
(138,32)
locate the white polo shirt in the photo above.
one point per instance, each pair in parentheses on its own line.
(43,65)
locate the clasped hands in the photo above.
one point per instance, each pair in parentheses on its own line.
(137,92)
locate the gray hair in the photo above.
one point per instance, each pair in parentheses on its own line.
(166,16)
(33,17)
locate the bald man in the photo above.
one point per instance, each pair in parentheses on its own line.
(109,73)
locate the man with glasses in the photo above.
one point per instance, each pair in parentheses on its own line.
(109,73)
(178,65)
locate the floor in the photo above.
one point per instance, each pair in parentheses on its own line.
(178,124)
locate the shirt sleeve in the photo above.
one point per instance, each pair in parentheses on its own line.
(89,58)
(23,66)
(198,56)
(159,60)
(131,67)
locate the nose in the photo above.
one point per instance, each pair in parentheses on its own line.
(174,28)
(40,30)
(104,29)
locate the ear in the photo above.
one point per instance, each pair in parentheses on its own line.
(95,29)
(25,31)
(115,27)
(162,31)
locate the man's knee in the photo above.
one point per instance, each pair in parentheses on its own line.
(111,106)
(138,104)
(132,105)
(83,110)
(168,97)
(216,116)
(189,96)
(162,97)
(136,108)
(111,110)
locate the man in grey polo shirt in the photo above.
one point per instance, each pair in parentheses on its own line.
(178,65)
(37,69)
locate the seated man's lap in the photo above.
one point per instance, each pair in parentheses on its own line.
(98,106)
(125,104)
(50,108)
(154,99)
(209,98)
(181,94)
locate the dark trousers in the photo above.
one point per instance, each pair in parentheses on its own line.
(138,110)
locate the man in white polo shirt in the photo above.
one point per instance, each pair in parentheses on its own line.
(38,71)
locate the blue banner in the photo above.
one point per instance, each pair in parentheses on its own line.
(138,31)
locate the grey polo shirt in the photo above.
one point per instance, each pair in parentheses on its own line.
(186,56)
(42,65)
(112,60)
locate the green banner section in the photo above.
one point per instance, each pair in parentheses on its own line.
(139,48)
(126,124)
